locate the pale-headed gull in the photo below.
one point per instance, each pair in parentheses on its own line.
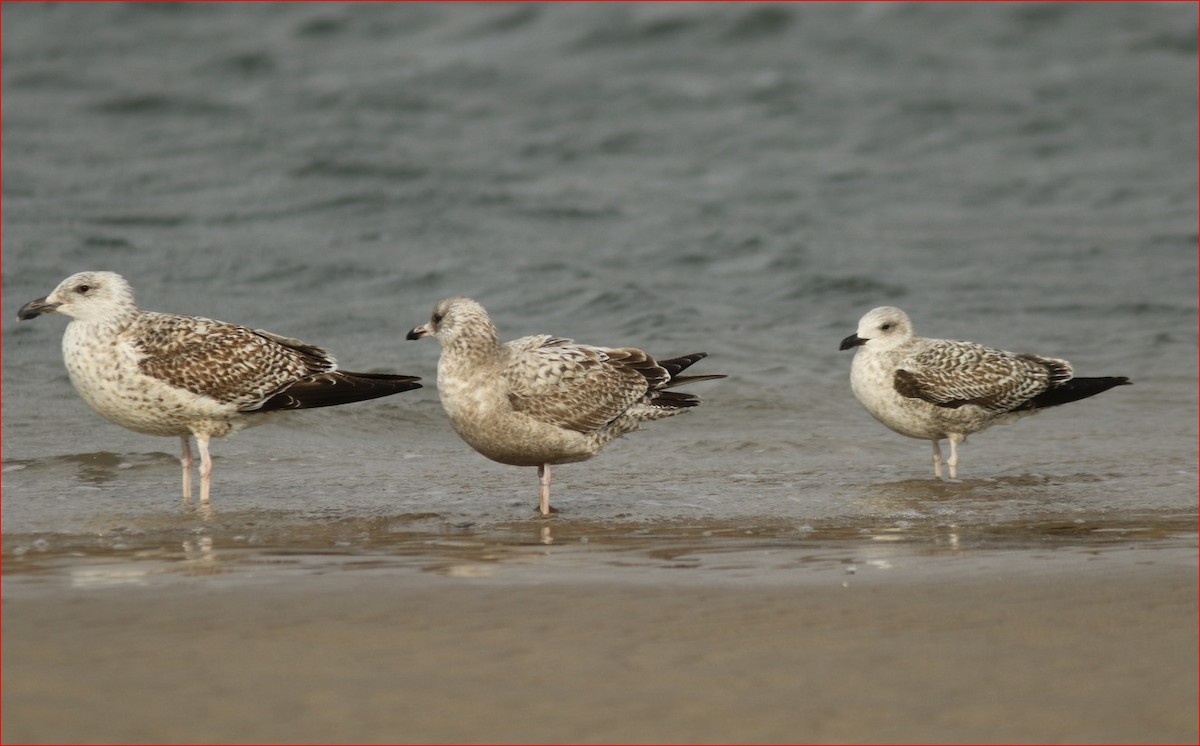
(162,374)
(937,388)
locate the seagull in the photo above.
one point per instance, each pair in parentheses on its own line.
(542,400)
(932,389)
(187,376)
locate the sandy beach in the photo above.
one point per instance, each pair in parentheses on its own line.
(1070,644)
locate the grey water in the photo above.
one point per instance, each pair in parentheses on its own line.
(741,179)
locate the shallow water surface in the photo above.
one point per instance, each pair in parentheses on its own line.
(912,526)
(745,180)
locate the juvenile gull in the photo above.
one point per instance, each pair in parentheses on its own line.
(542,400)
(937,388)
(162,374)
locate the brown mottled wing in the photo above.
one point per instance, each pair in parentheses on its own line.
(576,387)
(952,374)
(225,362)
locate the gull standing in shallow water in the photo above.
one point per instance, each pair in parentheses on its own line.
(937,388)
(161,374)
(542,400)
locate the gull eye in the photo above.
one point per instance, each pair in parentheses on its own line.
(437,318)
(886,326)
(83,289)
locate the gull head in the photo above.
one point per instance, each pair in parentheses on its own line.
(86,296)
(882,328)
(456,319)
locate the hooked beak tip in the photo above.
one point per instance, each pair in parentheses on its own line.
(35,308)
(852,341)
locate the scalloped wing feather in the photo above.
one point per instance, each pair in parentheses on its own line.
(576,387)
(952,374)
(225,362)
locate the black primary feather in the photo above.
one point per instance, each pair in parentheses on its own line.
(338,387)
(1073,390)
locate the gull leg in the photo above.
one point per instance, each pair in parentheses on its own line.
(953,462)
(205,466)
(937,458)
(185,458)
(544,489)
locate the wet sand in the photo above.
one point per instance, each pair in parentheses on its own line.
(1075,644)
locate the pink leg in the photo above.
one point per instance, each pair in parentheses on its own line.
(205,466)
(937,460)
(544,489)
(185,458)
(953,462)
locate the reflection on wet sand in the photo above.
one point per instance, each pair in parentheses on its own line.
(774,551)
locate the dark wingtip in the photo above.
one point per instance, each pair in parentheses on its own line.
(339,387)
(677,365)
(1074,390)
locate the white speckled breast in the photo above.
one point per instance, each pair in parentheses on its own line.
(103,367)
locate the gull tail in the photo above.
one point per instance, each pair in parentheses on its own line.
(668,400)
(1074,390)
(338,387)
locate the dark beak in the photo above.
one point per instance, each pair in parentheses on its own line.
(417,332)
(35,308)
(852,341)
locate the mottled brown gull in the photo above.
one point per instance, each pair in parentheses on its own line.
(542,400)
(162,374)
(932,389)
